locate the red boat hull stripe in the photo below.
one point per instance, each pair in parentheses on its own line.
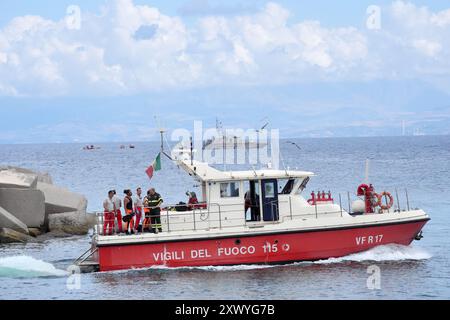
(265,234)
(257,249)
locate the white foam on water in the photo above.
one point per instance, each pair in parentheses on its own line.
(390,252)
(28,267)
(217,268)
(203,268)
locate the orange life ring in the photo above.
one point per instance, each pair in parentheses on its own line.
(380,200)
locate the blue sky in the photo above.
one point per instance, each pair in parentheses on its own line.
(347,12)
(313,68)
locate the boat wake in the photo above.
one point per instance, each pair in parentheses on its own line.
(218,268)
(386,253)
(390,252)
(27,267)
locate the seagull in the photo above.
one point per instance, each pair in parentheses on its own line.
(293,143)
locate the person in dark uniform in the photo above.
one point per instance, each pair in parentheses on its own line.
(154,201)
(129,209)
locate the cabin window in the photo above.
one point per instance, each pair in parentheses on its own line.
(229,190)
(289,186)
(269,190)
(303,185)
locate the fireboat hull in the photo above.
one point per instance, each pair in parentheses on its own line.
(275,248)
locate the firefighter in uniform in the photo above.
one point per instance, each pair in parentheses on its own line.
(154,201)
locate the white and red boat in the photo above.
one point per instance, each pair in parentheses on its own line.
(245,219)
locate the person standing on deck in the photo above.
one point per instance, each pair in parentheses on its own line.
(129,211)
(146,226)
(117,211)
(139,209)
(108,206)
(154,202)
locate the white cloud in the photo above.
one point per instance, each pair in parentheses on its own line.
(3,57)
(429,48)
(109,55)
(204,7)
(441,19)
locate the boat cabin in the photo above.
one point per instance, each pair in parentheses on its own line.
(251,198)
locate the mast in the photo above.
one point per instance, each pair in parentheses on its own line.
(367,180)
(192,151)
(161,132)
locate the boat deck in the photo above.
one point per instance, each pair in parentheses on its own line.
(255,229)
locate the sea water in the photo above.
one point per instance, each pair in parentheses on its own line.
(419,271)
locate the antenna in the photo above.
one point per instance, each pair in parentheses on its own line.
(254,171)
(367,171)
(284,165)
(264,120)
(192,151)
(258,131)
(161,132)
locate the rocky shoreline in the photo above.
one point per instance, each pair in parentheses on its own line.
(32,206)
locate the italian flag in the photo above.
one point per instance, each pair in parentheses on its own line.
(156,166)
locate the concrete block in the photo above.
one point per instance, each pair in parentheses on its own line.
(41,176)
(71,223)
(45,178)
(7,220)
(27,205)
(59,200)
(11,236)
(14,179)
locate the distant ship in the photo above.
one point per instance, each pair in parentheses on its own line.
(231,142)
(90,147)
(131,146)
(226,141)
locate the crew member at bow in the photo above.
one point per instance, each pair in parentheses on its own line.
(108,206)
(154,201)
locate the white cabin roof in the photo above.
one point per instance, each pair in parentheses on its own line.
(203,172)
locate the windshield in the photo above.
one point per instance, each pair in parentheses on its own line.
(289,186)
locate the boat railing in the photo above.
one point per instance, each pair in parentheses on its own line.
(85,256)
(398,205)
(400,196)
(199,217)
(203,216)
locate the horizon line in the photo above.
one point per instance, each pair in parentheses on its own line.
(157,140)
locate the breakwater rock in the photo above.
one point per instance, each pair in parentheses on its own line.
(30,205)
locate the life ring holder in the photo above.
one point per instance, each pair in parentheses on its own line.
(204,216)
(380,197)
